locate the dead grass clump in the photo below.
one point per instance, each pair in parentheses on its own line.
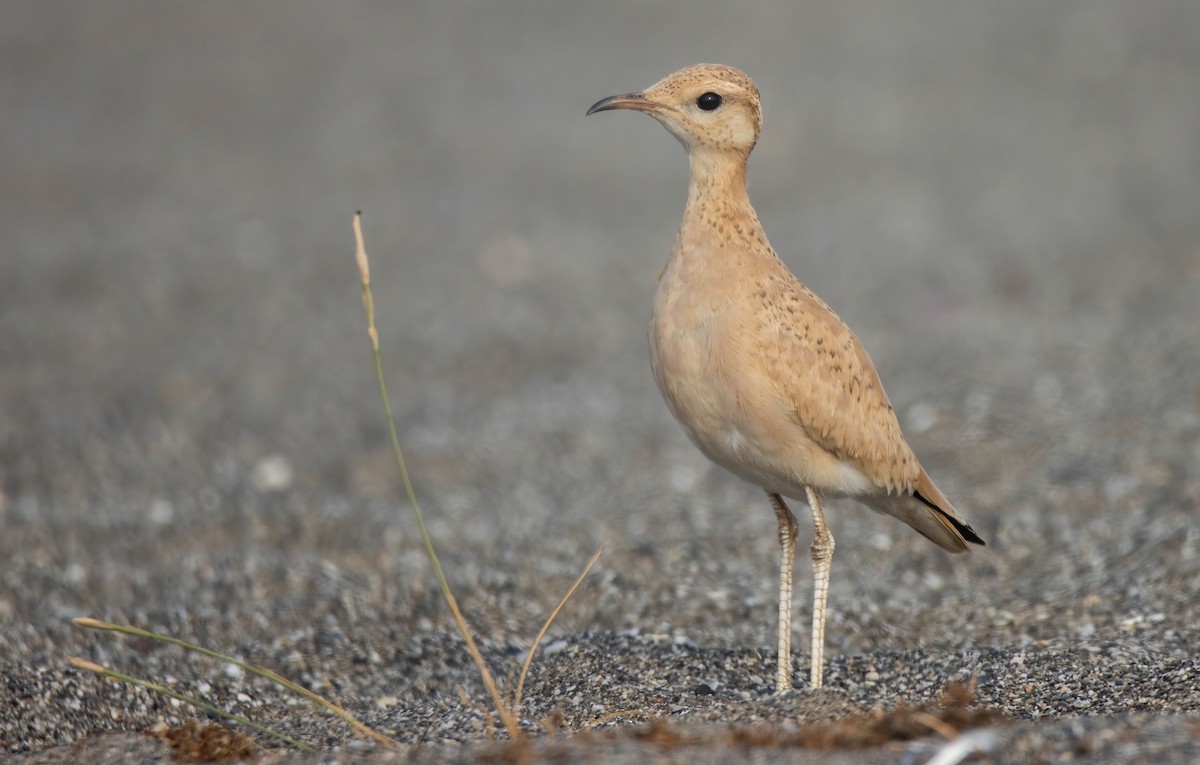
(193,742)
(660,733)
(948,716)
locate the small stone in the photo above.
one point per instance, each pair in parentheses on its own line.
(271,474)
(386,702)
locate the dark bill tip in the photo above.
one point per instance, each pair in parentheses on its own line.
(624,101)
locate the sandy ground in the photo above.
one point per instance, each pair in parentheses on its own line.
(1003,200)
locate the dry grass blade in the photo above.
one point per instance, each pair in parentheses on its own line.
(90,666)
(516,705)
(263,672)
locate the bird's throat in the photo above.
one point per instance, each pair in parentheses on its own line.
(717,176)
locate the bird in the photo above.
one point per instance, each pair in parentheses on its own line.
(766,380)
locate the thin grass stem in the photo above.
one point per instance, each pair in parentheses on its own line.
(89,666)
(507,716)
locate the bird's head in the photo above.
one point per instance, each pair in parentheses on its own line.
(708,107)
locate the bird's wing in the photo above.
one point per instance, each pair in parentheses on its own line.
(832,390)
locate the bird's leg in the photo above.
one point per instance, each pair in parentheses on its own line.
(787,553)
(822,555)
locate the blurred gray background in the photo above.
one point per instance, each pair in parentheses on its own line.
(1003,199)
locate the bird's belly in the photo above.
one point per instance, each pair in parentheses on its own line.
(736,424)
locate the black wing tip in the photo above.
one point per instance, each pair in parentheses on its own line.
(967,532)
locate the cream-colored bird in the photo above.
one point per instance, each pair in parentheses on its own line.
(765,378)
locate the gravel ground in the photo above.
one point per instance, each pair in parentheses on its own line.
(1001,200)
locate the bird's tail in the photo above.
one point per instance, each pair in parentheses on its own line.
(929,512)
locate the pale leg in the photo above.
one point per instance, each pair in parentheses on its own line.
(822,555)
(787,554)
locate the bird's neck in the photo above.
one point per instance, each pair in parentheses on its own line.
(719,216)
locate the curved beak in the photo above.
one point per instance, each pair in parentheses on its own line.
(636,101)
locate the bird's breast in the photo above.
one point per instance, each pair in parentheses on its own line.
(683,357)
(705,346)
(696,366)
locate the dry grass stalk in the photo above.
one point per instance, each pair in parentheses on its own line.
(507,711)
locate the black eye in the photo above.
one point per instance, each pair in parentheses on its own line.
(709,101)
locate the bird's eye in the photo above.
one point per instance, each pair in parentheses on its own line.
(709,101)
